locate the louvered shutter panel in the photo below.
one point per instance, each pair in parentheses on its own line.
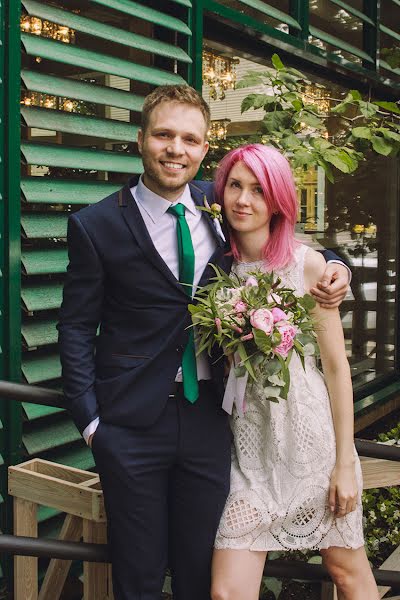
(117,52)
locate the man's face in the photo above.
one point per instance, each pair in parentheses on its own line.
(172,148)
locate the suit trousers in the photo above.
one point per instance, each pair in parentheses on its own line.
(165,488)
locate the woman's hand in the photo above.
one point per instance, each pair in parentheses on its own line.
(343,490)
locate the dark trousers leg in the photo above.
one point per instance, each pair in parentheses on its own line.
(199,485)
(133,467)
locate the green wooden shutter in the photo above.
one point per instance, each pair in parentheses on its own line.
(117,52)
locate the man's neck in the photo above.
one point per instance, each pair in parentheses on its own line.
(167,194)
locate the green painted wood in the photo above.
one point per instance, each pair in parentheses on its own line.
(43,190)
(45,437)
(39,368)
(45,513)
(390,32)
(377,398)
(104,31)
(53,155)
(80,457)
(37,297)
(264,8)
(39,333)
(80,90)
(353,11)
(37,411)
(334,41)
(57,120)
(147,14)
(44,225)
(386,66)
(95,61)
(40,262)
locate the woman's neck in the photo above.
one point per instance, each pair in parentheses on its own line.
(250,245)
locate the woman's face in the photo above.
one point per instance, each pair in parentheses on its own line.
(245,206)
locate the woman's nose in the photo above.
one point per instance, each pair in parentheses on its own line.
(243,198)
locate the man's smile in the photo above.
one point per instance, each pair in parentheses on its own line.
(172,165)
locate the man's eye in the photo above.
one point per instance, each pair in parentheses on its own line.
(191,140)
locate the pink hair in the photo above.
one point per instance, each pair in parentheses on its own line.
(275,177)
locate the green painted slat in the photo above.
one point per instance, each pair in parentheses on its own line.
(53,155)
(40,262)
(46,437)
(270,11)
(45,513)
(80,457)
(43,190)
(39,333)
(386,66)
(37,411)
(147,14)
(44,225)
(379,397)
(80,90)
(390,32)
(354,11)
(105,32)
(46,118)
(334,41)
(94,61)
(183,2)
(37,369)
(41,297)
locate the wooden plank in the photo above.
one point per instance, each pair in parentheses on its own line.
(52,492)
(25,567)
(328,591)
(379,473)
(57,570)
(392,564)
(376,413)
(96,580)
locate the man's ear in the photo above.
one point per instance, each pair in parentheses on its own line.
(206,148)
(140,140)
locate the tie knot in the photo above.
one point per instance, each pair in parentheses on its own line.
(178,210)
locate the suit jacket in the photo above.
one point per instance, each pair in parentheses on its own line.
(117,279)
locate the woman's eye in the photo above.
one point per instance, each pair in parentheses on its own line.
(235,184)
(259,190)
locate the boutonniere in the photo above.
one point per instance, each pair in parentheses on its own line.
(215,211)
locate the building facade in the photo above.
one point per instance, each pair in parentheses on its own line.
(74,76)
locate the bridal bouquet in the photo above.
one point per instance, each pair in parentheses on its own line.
(260,323)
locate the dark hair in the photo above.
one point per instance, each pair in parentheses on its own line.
(174,93)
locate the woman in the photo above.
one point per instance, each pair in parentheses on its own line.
(296,479)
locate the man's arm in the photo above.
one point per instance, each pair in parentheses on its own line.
(331,290)
(79,319)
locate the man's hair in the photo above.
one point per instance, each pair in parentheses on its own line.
(174,93)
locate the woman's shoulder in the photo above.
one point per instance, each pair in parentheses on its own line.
(314,265)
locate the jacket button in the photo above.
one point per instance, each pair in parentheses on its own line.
(179,349)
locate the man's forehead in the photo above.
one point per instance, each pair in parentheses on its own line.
(190,118)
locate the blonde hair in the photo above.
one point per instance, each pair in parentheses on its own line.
(174,93)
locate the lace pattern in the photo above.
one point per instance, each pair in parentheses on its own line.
(282,459)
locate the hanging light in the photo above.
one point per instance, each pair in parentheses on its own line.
(47,29)
(219,73)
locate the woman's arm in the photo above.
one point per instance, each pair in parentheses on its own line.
(343,491)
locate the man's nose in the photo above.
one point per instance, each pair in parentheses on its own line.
(175,147)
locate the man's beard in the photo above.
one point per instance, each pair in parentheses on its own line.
(162,184)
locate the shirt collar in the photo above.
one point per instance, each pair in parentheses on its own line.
(156,206)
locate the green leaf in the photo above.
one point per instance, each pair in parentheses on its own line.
(310,119)
(380,145)
(333,156)
(355,94)
(307,301)
(251,79)
(276,380)
(262,340)
(272,391)
(256,101)
(274,121)
(276,61)
(389,134)
(361,132)
(392,106)
(320,143)
(367,109)
(272,367)
(309,350)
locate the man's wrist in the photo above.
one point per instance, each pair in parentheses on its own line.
(339,262)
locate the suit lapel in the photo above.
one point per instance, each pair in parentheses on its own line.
(134,220)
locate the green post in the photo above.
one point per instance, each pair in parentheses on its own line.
(371,8)
(300,10)
(196,45)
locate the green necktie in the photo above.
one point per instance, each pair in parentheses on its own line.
(186,274)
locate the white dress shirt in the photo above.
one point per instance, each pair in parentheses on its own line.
(161,226)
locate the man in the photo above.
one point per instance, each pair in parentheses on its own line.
(162,447)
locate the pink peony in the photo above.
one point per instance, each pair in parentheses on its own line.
(240,307)
(279,315)
(262,319)
(251,281)
(288,333)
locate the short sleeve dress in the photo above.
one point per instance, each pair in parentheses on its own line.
(282,459)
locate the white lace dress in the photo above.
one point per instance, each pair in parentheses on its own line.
(282,458)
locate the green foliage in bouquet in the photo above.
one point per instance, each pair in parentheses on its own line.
(259,320)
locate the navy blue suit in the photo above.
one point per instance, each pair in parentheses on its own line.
(164,463)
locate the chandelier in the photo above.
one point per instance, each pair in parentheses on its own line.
(219,73)
(46,101)
(218,129)
(47,29)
